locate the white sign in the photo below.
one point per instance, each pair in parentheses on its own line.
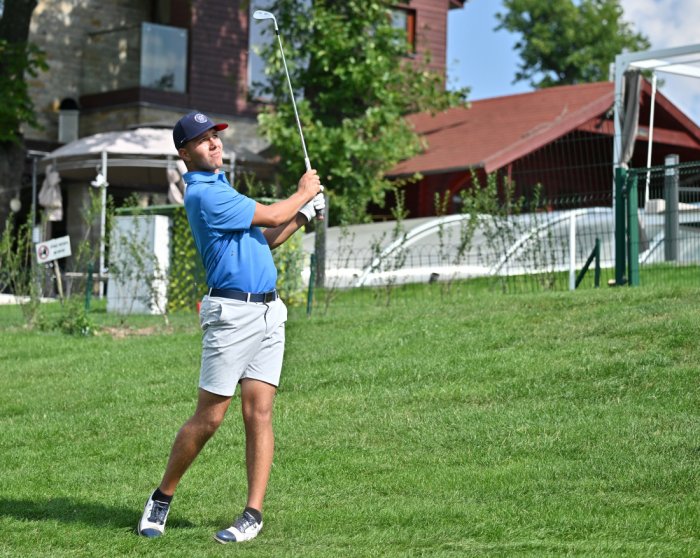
(53,249)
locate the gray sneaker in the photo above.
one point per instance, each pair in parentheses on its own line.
(153,520)
(244,528)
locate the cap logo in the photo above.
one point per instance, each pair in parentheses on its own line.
(199,117)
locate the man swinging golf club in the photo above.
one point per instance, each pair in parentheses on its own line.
(242,317)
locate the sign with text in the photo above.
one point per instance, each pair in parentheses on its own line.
(53,249)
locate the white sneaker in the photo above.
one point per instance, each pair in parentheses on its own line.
(153,520)
(244,528)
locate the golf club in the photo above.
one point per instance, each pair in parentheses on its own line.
(260,15)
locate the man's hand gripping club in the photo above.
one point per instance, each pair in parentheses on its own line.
(315,207)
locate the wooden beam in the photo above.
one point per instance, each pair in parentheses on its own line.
(661,135)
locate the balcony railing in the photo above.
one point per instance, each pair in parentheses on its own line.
(147,56)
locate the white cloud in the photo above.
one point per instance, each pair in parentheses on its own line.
(670,23)
(667,23)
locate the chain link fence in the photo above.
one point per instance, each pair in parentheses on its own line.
(668,219)
(545,244)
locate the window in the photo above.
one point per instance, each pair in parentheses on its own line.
(163,58)
(405,18)
(260,35)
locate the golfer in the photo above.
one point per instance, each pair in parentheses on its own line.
(242,317)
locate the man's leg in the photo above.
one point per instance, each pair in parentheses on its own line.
(189,441)
(192,437)
(257,399)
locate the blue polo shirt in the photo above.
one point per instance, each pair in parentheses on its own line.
(235,253)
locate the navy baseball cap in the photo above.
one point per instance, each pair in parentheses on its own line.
(192,125)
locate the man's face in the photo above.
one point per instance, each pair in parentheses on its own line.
(203,153)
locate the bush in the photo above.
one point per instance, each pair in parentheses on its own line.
(72,320)
(289,259)
(187,279)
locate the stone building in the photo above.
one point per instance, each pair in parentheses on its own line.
(120,64)
(123,63)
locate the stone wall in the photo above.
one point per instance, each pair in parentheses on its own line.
(61,28)
(94,48)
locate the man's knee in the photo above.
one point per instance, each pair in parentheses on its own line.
(210,413)
(207,424)
(257,413)
(257,400)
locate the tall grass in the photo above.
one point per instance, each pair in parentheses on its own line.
(475,424)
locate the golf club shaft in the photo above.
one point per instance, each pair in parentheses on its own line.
(294,104)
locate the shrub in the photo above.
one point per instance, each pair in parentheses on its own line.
(289,259)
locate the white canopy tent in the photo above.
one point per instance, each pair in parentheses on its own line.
(682,61)
(139,157)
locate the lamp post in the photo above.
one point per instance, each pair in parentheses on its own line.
(101,183)
(35,155)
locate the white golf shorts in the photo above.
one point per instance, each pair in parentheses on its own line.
(240,340)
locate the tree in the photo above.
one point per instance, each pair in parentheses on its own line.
(17,59)
(358,84)
(563,42)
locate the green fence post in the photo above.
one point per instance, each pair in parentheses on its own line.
(633,232)
(312,280)
(88,287)
(595,255)
(620,226)
(597,263)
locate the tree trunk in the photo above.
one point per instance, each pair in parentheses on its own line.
(11,169)
(14,28)
(320,249)
(14,24)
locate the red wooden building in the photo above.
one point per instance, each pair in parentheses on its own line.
(559,137)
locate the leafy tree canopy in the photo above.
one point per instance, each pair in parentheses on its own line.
(565,42)
(358,83)
(18,60)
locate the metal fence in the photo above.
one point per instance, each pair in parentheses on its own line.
(544,249)
(667,236)
(536,246)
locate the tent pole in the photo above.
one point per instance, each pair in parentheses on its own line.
(103,224)
(651,136)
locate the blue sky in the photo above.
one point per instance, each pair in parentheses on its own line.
(479,57)
(483,59)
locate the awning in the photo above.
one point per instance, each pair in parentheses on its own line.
(139,157)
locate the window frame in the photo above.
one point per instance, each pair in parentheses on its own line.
(410,27)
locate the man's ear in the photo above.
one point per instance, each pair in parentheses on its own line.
(182,152)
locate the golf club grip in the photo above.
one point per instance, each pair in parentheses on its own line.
(321,215)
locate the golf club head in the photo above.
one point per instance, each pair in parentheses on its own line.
(262,14)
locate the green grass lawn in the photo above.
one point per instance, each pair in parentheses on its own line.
(473,424)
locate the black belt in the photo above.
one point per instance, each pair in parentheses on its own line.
(245,297)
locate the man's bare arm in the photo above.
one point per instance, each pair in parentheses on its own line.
(277,236)
(282,212)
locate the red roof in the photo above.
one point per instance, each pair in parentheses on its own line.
(494,132)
